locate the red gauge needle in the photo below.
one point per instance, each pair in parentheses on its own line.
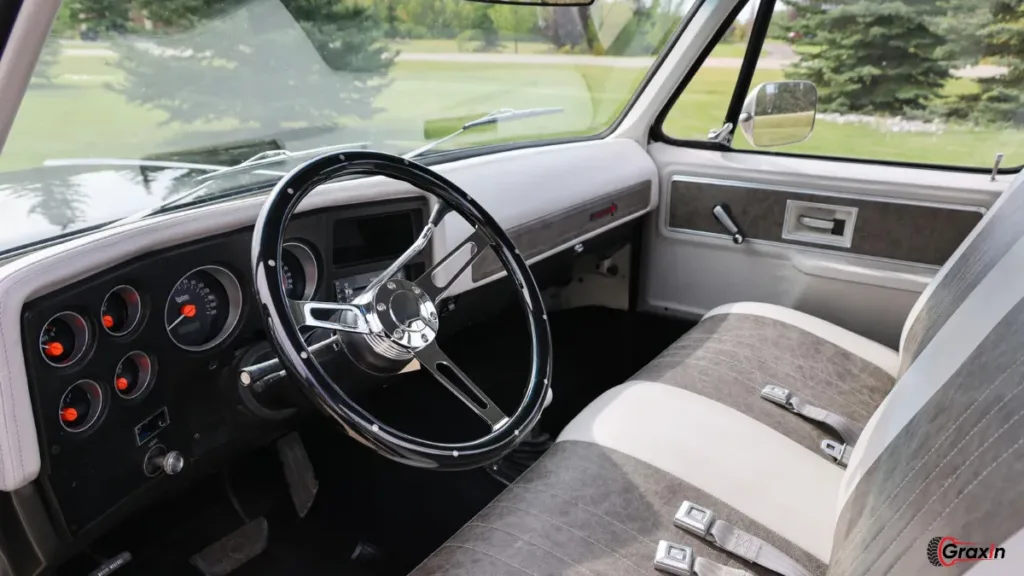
(53,349)
(187,311)
(108,321)
(121,383)
(69,414)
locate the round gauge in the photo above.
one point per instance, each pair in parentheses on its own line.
(121,310)
(81,406)
(133,376)
(298,271)
(203,308)
(63,339)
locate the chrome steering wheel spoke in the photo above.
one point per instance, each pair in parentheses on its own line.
(433,358)
(437,214)
(477,242)
(345,317)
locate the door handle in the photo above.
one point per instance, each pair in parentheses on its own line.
(724,217)
(819,223)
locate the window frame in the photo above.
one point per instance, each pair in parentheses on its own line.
(747,68)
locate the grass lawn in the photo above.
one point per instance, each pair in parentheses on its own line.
(80,115)
(703,105)
(445,46)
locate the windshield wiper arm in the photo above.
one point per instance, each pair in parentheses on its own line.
(277,156)
(502,115)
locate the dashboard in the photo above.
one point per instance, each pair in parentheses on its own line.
(139,360)
(107,298)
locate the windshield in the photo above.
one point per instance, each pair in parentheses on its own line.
(133,99)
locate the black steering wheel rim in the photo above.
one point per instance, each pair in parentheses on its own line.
(284,334)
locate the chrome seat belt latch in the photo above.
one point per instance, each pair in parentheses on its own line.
(694,518)
(777,395)
(674,558)
(839,453)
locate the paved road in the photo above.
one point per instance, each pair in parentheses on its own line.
(777,58)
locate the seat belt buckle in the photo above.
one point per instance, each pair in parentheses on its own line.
(838,452)
(694,518)
(673,558)
(777,395)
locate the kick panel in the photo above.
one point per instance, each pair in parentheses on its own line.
(550,232)
(920,233)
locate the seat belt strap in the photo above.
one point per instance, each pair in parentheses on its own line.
(846,429)
(678,559)
(839,453)
(702,522)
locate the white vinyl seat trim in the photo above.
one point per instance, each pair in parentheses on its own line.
(719,450)
(882,356)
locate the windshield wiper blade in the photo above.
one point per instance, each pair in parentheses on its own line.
(130,162)
(501,115)
(277,156)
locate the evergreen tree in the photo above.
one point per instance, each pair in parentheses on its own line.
(1002,40)
(874,57)
(308,62)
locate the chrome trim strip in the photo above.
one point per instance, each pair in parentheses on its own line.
(795,190)
(824,251)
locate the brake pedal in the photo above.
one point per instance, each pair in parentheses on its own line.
(227,554)
(298,471)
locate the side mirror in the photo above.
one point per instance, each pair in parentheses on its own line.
(777,113)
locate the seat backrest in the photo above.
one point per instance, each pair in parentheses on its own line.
(943,456)
(1000,228)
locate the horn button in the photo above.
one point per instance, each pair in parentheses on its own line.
(406,314)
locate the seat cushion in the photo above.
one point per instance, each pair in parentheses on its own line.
(587,509)
(735,351)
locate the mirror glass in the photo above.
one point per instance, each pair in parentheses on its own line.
(777,113)
(538,2)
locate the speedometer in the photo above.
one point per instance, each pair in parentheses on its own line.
(203,308)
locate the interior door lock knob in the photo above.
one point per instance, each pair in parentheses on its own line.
(724,217)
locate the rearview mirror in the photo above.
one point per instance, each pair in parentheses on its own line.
(538,2)
(777,113)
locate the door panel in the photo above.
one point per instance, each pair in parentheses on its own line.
(905,223)
(910,232)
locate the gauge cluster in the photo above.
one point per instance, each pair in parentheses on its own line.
(142,356)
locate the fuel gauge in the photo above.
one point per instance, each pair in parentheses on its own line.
(63,339)
(121,310)
(133,376)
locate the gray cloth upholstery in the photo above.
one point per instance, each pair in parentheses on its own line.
(729,358)
(997,233)
(585,509)
(956,469)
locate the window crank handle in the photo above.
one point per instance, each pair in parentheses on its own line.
(724,217)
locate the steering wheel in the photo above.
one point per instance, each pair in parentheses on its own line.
(393,320)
